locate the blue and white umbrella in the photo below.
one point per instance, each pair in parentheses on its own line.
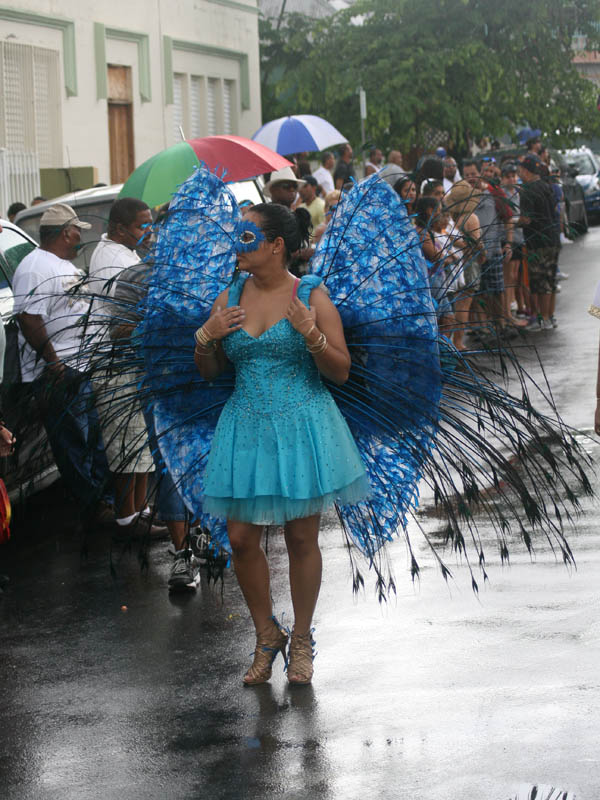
(298,134)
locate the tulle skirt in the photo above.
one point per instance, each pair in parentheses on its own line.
(268,468)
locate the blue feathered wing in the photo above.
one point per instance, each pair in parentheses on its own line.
(370,260)
(194,260)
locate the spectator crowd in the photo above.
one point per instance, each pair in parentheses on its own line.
(490,235)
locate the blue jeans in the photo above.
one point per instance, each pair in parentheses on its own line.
(68,411)
(169,504)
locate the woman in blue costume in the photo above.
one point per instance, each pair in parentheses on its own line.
(282,452)
(420,414)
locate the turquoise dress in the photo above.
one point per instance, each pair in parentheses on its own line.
(281,449)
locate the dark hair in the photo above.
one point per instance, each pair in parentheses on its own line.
(344,149)
(327,154)
(372,151)
(125,211)
(423,207)
(471,162)
(294,227)
(429,187)
(430,167)
(310,180)
(49,233)
(39,199)
(14,209)
(401,183)
(304,169)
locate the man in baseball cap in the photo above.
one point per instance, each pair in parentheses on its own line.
(60,216)
(52,312)
(541,239)
(531,163)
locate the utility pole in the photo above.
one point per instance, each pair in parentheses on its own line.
(281,13)
(362,99)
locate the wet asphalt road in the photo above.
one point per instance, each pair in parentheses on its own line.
(112,689)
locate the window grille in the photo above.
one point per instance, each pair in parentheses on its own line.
(212,87)
(178,106)
(31,102)
(196,106)
(228,107)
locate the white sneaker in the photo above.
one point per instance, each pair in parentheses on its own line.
(534,325)
(547,325)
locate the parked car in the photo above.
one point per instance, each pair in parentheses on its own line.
(31,467)
(93,206)
(585,168)
(576,213)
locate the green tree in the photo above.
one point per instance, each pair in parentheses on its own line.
(466,67)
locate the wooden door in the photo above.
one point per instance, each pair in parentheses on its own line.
(120,123)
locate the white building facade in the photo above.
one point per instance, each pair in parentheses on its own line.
(109,84)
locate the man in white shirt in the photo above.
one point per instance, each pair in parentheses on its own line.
(374,163)
(121,418)
(451,173)
(323,175)
(129,223)
(53,315)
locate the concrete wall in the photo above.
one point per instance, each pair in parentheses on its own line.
(200,36)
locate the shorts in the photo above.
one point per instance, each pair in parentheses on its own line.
(492,276)
(122,422)
(542,265)
(471,275)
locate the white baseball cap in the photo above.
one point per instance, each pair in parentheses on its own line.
(61,215)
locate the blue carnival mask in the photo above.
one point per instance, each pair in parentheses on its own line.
(249,236)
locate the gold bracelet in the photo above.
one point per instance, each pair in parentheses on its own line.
(320,350)
(205,348)
(202,338)
(318,343)
(211,346)
(319,346)
(309,331)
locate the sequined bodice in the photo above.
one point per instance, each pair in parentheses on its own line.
(274,372)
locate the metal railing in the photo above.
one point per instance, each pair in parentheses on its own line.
(19,178)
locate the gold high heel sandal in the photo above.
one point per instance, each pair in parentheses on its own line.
(269,642)
(300,659)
